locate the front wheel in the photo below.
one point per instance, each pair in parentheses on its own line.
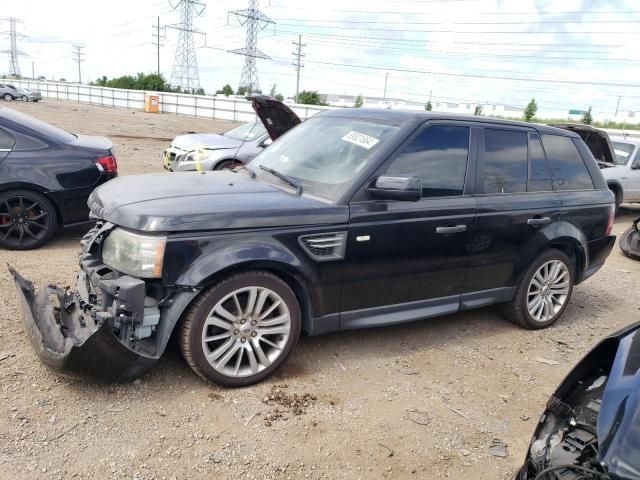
(543,292)
(25,98)
(227,164)
(7,97)
(242,329)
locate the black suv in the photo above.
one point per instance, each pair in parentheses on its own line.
(354,218)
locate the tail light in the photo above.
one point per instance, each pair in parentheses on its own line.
(612,215)
(107,164)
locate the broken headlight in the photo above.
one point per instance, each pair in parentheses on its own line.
(134,254)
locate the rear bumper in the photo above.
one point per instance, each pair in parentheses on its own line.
(595,253)
(72,342)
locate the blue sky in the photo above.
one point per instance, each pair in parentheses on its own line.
(492,51)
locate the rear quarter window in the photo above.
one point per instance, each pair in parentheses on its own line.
(505,161)
(568,169)
(6,140)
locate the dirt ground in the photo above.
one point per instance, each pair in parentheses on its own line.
(424,400)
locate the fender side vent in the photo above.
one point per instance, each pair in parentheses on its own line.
(325,246)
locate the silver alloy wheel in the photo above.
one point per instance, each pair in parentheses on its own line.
(548,291)
(246,331)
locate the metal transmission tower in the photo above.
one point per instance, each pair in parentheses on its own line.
(14,53)
(298,54)
(185,66)
(78,56)
(255,21)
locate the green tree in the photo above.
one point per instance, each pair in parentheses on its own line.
(359,101)
(307,97)
(242,91)
(428,107)
(226,90)
(272,92)
(587,118)
(531,110)
(279,97)
(478,110)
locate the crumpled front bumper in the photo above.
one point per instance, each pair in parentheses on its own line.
(71,341)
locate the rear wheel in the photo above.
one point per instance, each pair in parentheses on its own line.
(543,292)
(241,330)
(28,220)
(25,98)
(7,97)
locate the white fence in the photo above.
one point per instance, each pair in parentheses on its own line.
(215,107)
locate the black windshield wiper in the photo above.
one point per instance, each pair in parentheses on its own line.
(284,178)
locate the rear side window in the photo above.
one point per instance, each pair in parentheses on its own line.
(567,166)
(438,155)
(6,140)
(540,175)
(505,161)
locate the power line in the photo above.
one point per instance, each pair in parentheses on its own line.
(298,55)
(254,20)
(185,65)
(514,22)
(78,57)
(14,53)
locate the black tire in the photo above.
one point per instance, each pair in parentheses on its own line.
(227,164)
(28,212)
(517,311)
(193,327)
(25,98)
(7,97)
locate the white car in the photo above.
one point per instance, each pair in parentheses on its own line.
(623,177)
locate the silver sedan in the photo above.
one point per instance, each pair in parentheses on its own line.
(211,151)
(28,95)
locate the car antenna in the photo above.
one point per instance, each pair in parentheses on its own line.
(244,140)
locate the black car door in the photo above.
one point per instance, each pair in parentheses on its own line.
(516,203)
(407,260)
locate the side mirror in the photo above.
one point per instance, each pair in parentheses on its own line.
(392,187)
(266,142)
(635,166)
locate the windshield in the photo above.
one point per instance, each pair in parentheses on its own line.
(324,154)
(247,132)
(623,152)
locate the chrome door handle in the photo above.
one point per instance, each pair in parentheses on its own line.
(451,229)
(538,221)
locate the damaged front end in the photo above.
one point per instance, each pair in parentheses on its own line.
(591,426)
(113,326)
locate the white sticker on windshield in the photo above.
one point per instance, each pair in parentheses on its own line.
(360,139)
(622,153)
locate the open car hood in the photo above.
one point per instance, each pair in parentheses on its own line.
(277,118)
(597,140)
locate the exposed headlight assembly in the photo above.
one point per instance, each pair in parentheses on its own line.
(134,254)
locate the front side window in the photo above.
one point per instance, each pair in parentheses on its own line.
(324,154)
(567,166)
(504,161)
(247,132)
(438,155)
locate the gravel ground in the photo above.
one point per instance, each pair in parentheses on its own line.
(424,400)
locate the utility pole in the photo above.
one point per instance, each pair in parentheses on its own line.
(158,41)
(618,104)
(14,53)
(78,56)
(298,54)
(384,95)
(33,70)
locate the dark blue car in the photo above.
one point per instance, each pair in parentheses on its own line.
(46,176)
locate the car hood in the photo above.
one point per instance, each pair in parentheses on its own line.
(210,141)
(619,417)
(205,201)
(276,117)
